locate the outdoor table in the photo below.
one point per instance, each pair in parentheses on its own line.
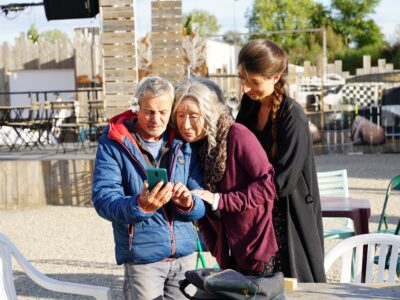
(14,113)
(9,114)
(358,210)
(346,291)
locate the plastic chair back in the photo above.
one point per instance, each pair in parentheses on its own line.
(388,244)
(7,287)
(333,183)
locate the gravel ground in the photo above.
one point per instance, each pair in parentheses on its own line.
(74,244)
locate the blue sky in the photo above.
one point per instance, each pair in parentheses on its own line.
(230,14)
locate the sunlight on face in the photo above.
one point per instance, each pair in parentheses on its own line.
(256,86)
(189,121)
(153,116)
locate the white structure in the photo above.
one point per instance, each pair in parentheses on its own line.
(221,58)
(40,80)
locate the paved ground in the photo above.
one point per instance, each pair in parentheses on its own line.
(74,244)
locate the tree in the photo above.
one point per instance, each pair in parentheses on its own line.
(33,33)
(273,15)
(233,37)
(53,35)
(208,23)
(349,19)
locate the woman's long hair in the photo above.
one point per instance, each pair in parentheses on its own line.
(268,59)
(217,122)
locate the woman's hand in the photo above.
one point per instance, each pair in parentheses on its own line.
(207,196)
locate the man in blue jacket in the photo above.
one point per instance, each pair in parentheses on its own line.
(153,230)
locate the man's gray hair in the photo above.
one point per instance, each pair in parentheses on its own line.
(154,86)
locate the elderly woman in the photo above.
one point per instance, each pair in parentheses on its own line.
(239,179)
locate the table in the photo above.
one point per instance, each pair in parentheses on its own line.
(358,210)
(346,291)
(9,115)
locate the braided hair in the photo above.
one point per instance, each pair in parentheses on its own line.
(268,59)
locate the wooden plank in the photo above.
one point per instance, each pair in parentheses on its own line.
(168,60)
(120,12)
(120,75)
(118,101)
(118,50)
(12,184)
(166,4)
(381,65)
(166,12)
(118,25)
(367,64)
(177,27)
(112,111)
(119,37)
(338,67)
(3,184)
(119,62)
(158,21)
(24,181)
(119,2)
(119,87)
(166,36)
(389,67)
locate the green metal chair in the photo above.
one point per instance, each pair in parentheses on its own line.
(394,184)
(200,255)
(334,184)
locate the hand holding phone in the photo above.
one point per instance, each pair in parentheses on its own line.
(155,175)
(157,191)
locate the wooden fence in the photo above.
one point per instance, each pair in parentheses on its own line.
(82,53)
(41,182)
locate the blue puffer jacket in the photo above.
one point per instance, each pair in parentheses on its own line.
(141,237)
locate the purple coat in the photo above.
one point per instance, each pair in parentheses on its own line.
(247,195)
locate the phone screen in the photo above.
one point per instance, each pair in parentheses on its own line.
(155,175)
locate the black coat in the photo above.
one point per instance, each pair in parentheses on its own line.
(296,186)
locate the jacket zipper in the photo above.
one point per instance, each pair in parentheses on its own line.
(171,222)
(130,226)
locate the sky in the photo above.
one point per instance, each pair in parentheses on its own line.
(230,15)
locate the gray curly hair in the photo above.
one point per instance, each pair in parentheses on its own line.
(209,104)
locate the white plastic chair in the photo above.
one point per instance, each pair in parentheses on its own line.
(7,287)
(344,249)
(334,184)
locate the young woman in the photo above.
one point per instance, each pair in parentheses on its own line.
(239,179)
(281,126)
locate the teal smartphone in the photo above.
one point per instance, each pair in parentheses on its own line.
(155,175)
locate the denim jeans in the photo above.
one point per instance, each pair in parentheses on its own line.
(159,280)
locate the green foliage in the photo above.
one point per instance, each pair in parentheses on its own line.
(274,15)
(349,18)
(353,58)
(350,32)
(33,33)
(208,23)
(52,35)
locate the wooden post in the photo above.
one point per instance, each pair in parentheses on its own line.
(119,51)
(166,39)
(367,64)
